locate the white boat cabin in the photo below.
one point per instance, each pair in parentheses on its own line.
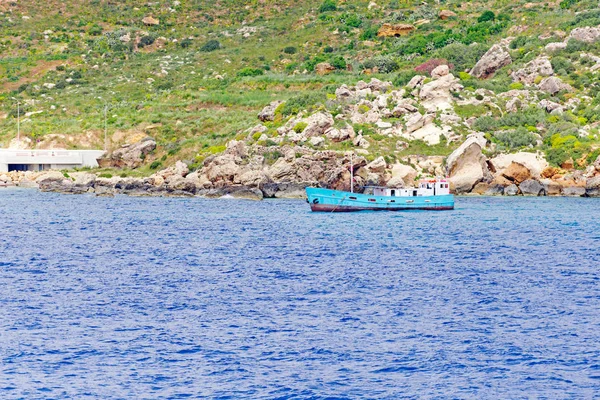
(425,188)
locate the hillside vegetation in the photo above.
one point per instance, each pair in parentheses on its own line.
(193,75)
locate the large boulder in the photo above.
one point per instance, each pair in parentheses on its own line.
(439,91)
(415,121)
(532,187)
(439,71)
(378,165)
(516,173)
(404,173)
(551,106)
(268,113)
(553,85)
(494,59)
(317,124)
(446,14)
(282,171)
(286,190)
(150,21)
(430,133)
(539,67)
(592,187)
(467,165)
(221,168)
(324,68)
(534,162)
(511,190)
(130,155)
(395,30)
(415,81)
(586,34)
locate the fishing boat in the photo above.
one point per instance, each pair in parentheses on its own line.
(431,194)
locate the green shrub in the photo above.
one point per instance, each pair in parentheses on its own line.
(486,16)
(257,135)
(565,4)
(384,64)
(593,156)
(300,126)
(272,156)
(249,71)
(105,175)
(369,32)
(211,45)
(216,149)
(561,63)
(185,43)
(155,164)
(338,62)
(461,55)
(522,118)
(404,77)
(304,101)
(328,5)
(470,110)
(328,49)
(516,86)
(146,40)
(311,63)
(515,139)
(95,30)
(351,20)
(290,50)
(561,147)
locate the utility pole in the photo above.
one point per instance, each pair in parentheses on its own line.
(105,128)
(18,121)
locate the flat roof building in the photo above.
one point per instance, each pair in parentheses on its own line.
(41,160)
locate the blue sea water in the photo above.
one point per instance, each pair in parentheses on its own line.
(191,298)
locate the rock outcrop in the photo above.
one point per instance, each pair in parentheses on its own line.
(395,30)
(324,68)
(268,113)
(554,85)
(539,67)
(494,59)
(585,34)
(467,165)
(150,21)
(129,155)
(446,14)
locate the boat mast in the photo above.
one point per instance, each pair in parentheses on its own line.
(351,174)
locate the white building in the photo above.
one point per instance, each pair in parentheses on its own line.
(41,160)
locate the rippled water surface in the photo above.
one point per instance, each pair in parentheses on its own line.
(168,298)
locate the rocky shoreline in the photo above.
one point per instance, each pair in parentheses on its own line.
(281,155)
(469,172)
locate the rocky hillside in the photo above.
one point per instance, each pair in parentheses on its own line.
(269,97)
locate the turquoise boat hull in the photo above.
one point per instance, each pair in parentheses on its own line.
(335,200)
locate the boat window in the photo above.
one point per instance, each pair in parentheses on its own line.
(352,198)
(393,193)
(414,192)
(371,199)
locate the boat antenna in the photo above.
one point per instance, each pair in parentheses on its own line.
(351,174)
